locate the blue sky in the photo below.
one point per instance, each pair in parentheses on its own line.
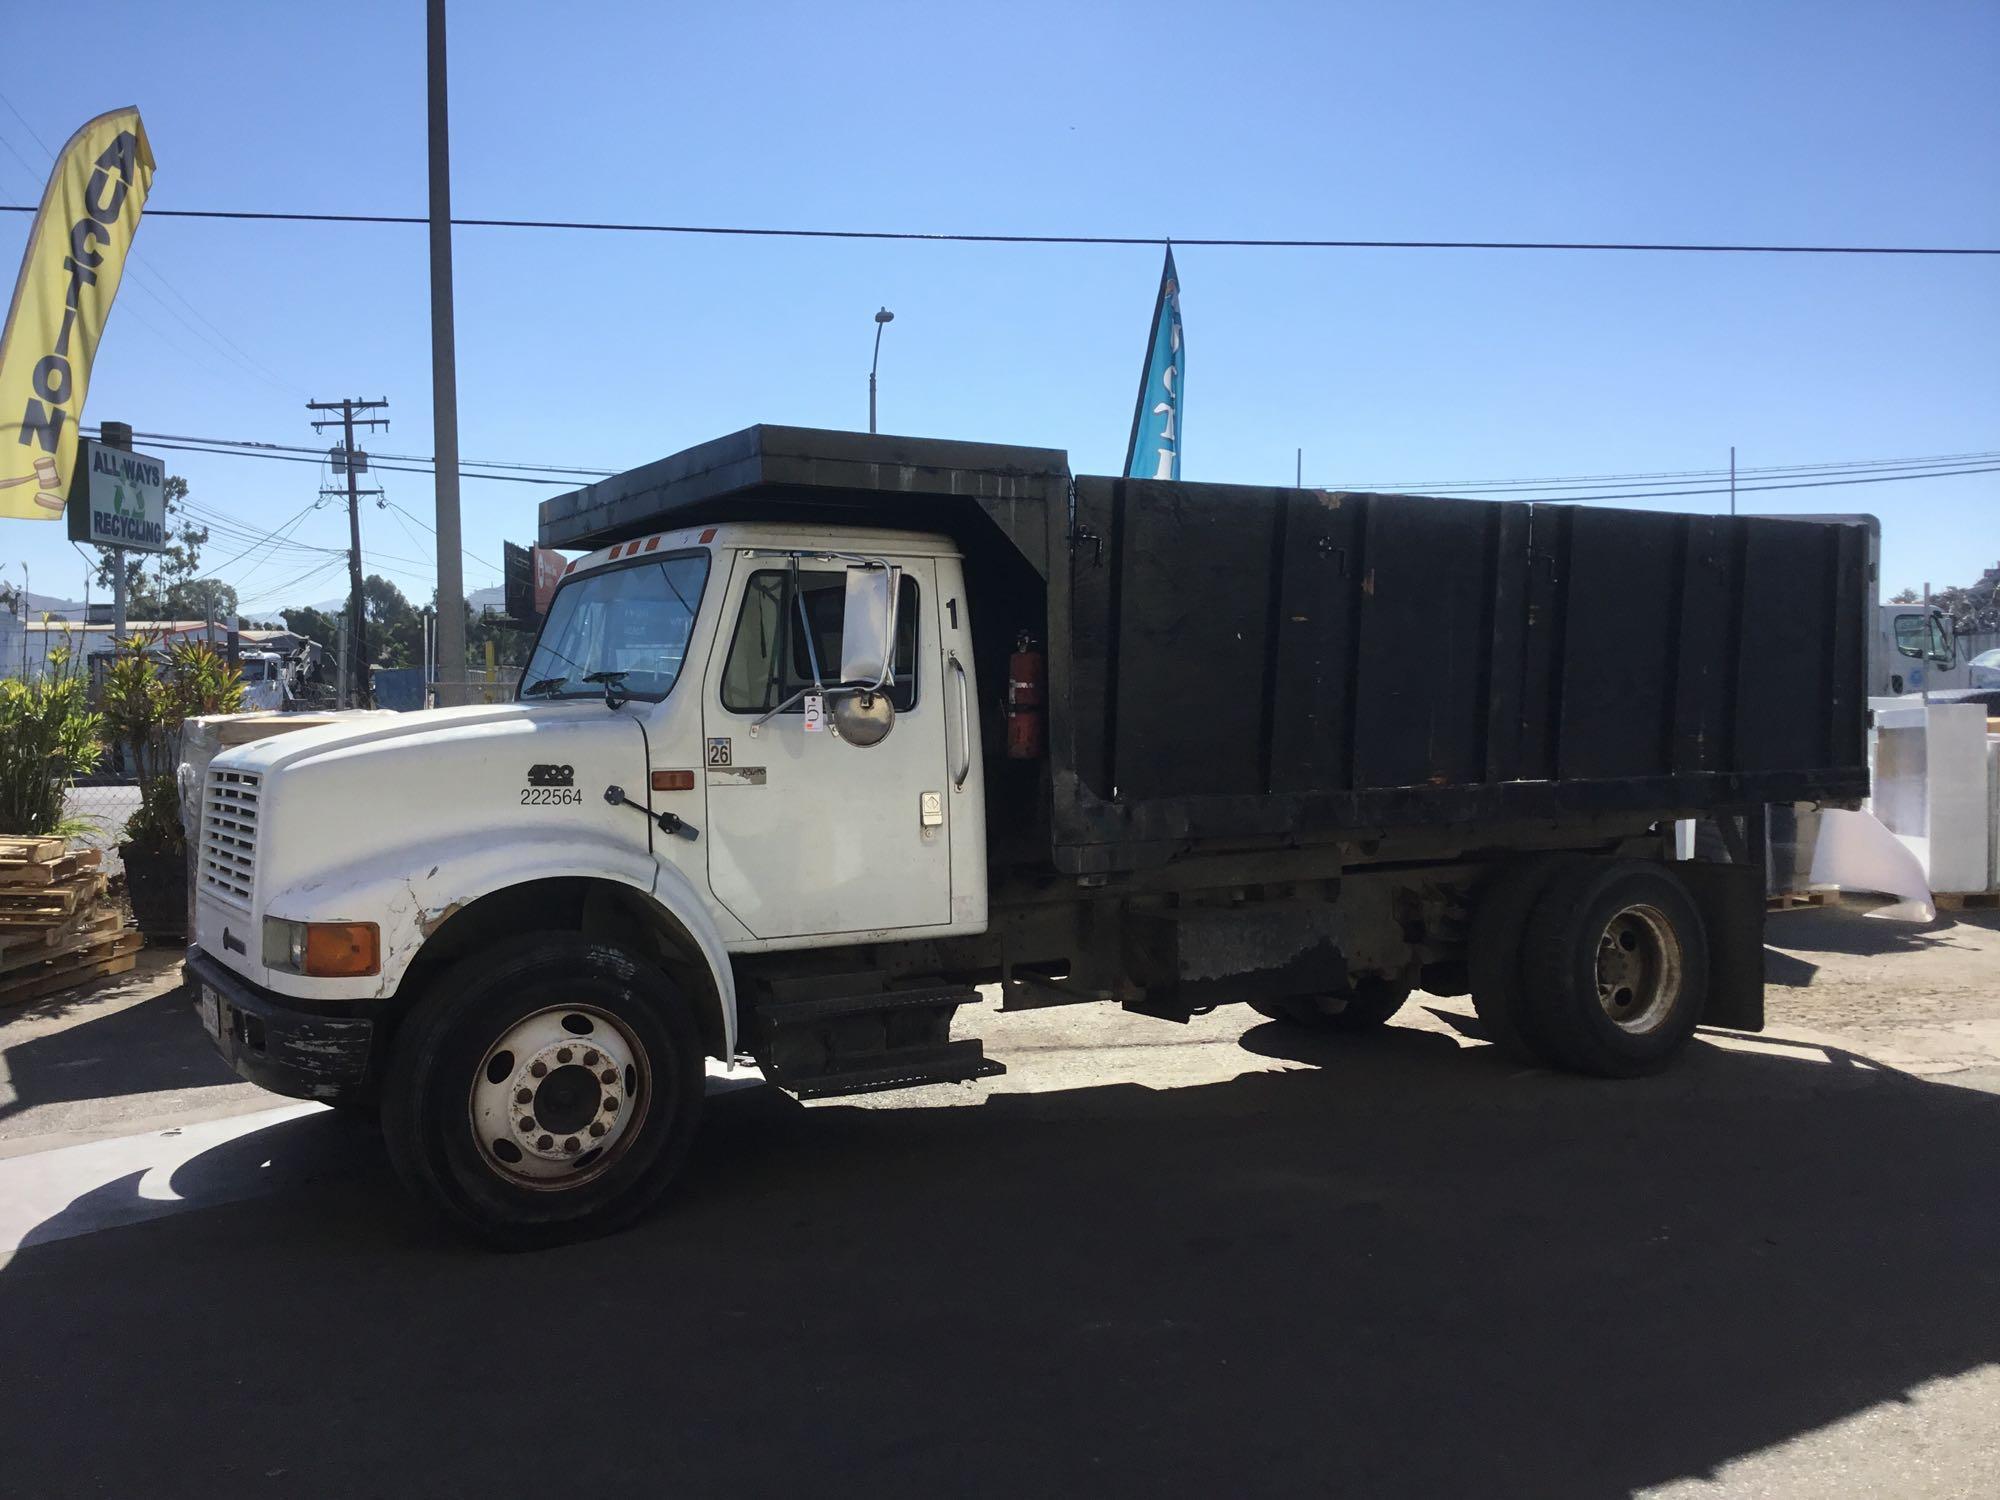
(1820,122)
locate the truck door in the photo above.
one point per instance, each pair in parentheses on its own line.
(811,834)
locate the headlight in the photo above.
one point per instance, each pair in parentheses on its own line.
(323,950)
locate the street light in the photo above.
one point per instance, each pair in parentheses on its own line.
(884,316)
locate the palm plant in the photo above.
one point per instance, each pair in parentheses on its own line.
(48,737)
(146,702)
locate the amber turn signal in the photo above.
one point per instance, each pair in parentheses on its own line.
(673,781)
(342,950)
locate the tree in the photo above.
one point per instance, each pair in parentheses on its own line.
(395,629)
(173,590)
(314,625)
(1975,607)
(510,641)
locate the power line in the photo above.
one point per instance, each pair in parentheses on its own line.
(304,459)
(1746,489)
(320,453)
(389,504)
(1915,469)
(943,237)
(1524,490)
(1827,466)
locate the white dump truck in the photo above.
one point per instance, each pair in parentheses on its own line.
(826,731)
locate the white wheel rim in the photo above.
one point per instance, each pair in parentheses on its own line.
(559,1097)
(1638,968)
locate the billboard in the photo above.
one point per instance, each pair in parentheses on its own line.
(119,499)
(531,575)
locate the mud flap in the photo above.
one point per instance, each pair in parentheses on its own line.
(1731,901)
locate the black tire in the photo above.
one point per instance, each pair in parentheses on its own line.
(1615,967)
(1368,1008)
(448,1042)
(1499,928)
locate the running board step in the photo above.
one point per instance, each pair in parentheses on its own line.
(954,1062)
(866,1040)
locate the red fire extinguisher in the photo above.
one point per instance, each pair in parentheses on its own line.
(1024,701)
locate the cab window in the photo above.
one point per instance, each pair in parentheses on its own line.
(1914,640)
(770,658)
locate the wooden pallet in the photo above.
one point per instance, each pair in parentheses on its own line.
(48,905)
(1966,900)
(30,849)
(16,939)
(1792,900)
(102,930)
(118,957)
(14,877)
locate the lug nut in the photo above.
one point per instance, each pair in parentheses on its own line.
(570,1145)
(544,1142)
(524,1096)
(597,1127)
(527,1124)
(563,1054)
(609,1075)
(590,1059)
(611,1105)
(539,1069)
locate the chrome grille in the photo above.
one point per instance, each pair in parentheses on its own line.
(229,835)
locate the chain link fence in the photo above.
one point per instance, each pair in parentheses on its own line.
(103,805)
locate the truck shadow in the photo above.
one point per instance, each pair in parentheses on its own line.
(1399,1267)
(141,1048)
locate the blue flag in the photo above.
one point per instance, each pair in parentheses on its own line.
(1155,451)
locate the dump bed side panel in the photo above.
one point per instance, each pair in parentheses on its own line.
(1265,660)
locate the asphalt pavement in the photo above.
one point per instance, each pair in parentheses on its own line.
(1226,1258)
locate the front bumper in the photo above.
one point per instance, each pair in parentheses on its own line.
(274,1043)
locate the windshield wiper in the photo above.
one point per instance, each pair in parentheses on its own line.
(548,685)
(614,686)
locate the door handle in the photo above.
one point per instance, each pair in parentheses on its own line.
(668,822)
(964,723)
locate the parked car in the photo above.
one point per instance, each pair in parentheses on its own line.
(1985,669)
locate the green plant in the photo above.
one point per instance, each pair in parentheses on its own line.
(147,698)
(48,737)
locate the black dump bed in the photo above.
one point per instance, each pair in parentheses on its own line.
(1232,664)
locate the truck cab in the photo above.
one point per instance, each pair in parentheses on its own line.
(729,740)
(264,684)
(1914,650)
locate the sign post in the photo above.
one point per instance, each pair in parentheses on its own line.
(118,499)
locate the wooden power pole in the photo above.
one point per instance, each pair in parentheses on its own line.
(353,413)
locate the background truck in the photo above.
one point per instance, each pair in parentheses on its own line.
(1914,650)
(826,730)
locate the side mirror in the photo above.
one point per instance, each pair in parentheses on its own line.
(868,629)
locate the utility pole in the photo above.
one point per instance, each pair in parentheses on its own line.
(450,643)
(1732,479)
(352,413)
(117,435)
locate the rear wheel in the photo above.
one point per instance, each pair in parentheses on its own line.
(1615,967)
(1499,927)
(546,1091)
(1367,1007)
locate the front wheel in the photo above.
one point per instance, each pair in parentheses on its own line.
(546,1091)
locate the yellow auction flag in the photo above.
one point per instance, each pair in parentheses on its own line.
(69,274)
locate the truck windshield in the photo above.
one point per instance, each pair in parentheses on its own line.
(631,620)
